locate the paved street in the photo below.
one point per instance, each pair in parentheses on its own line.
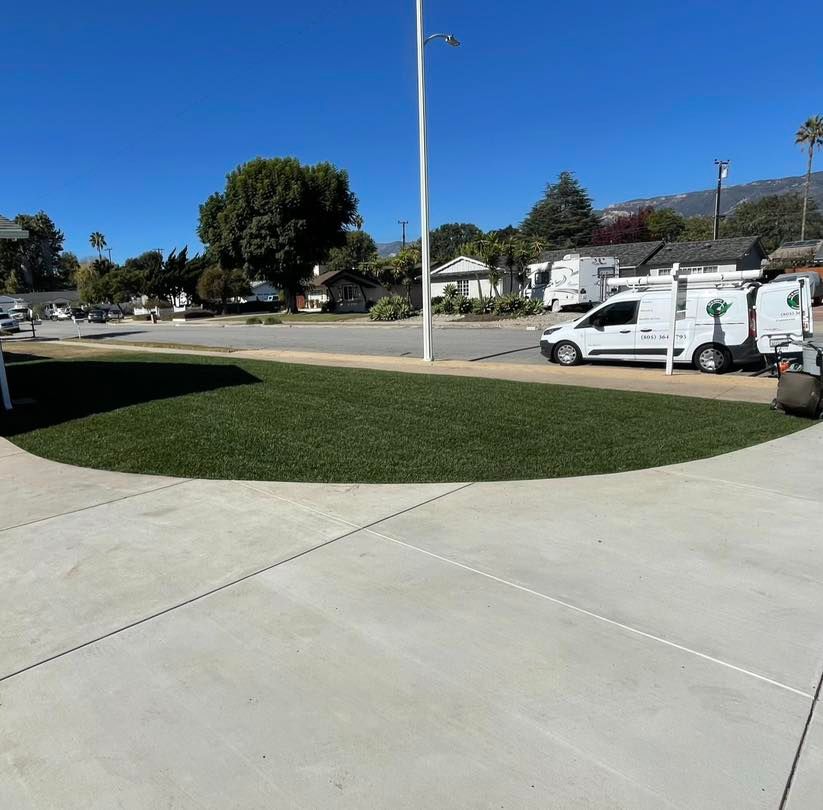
(644,640)
(509,345)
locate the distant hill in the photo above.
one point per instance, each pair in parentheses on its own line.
(386,249)
(701,203)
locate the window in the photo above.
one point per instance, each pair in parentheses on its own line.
(350,292)
(620,313)
(462,285)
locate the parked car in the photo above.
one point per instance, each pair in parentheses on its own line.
(114,315)
(9,324)
(815,283)
(61,315)
(19,313)
(96,316)
(721,325)
(78,314)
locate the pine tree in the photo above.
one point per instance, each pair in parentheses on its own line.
(564,217)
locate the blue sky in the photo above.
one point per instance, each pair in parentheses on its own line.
(123,117)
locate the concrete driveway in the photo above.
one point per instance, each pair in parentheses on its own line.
(644,640)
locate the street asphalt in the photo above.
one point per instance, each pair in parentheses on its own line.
(644,640)
(476,344)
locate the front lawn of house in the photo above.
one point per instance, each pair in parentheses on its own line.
(225,418)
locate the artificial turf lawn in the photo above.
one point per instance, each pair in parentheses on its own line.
(222,418)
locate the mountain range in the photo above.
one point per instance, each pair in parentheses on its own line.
(701,203)
(695,203)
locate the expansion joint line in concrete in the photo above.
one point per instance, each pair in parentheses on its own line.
(815,700)
(222,587)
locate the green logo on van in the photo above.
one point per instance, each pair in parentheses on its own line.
(794,299)
(717,307)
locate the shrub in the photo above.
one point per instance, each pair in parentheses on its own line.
(507,304)
(391,308)
(271,320)
(516,306)
(480,306)
(533,306)
(328,306)
(251,321)
(449,291)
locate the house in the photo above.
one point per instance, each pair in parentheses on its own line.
(629,256)
(718,256)
(51,301)
(342,291)
(263,291)
(471,278)
(8,303)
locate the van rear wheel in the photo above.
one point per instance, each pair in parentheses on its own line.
(567,354)
(712,358)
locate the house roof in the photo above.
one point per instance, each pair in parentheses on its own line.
(629,254)
(719,251)
(324,279)
(33,298)
(450,268)
(11,230)
(797,250)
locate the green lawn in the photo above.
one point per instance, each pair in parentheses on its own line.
(224,418)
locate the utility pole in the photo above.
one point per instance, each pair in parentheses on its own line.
(108,250)
(722,173)
(403,222)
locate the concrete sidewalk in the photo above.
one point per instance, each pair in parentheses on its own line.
(644,640)
(733,387)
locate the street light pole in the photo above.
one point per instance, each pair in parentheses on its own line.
(722,171)
(425,256)
(403,223)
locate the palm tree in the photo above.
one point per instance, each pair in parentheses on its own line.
(810,136)
(98,242)
(489,249)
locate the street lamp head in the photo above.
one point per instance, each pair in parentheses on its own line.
(452,40)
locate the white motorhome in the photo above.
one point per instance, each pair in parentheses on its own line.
(720,323)
(574,280)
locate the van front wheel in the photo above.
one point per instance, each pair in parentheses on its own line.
(556,306)
(713,359)
(567,354)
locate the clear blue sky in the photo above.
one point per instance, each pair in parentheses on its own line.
(123,117)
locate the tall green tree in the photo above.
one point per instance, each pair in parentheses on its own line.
(358,253)
(277,218)
(775,219)
(809,136)
(67,265)
(36,260)
(696,229)
(665,224)
(174,279)
(98,242)
(564,216)
(447,241)
(218,285)
(518,253)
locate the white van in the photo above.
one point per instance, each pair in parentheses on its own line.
(719,326)
(572,281)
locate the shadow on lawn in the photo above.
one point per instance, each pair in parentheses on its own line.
(53,391)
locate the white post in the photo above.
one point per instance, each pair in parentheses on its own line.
(673,318)
(4,383)
(424,187)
